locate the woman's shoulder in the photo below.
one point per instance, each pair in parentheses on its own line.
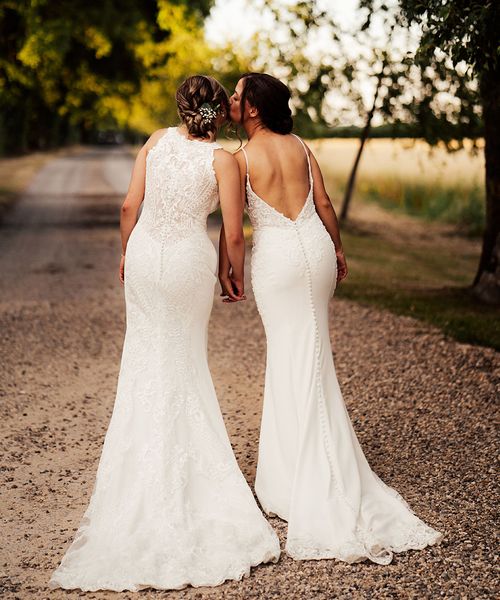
(225,164)
(224,157)
(155,137)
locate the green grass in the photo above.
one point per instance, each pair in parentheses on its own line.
(430,284)
(455,204)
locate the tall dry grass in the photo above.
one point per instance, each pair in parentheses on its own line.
(409,176)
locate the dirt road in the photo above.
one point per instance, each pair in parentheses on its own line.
(423,405)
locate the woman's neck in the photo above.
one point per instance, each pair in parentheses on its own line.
(211,136)
(254,127)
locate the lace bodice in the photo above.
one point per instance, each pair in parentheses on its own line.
(263,214)
(181,188)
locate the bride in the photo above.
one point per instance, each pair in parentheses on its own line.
(170,506)
(311,469)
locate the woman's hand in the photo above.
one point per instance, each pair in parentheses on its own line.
(122,269)
(341,266)
(232,289)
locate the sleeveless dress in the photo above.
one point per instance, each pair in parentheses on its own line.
(311,469)
(170,506)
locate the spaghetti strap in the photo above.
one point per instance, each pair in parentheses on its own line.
(246,160)
(307,156)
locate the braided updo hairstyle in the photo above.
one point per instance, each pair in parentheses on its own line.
(191,95)
(270,97)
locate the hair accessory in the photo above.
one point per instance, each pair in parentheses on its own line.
(208,112)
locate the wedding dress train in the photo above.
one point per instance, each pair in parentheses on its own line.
(170,506)
(311,469)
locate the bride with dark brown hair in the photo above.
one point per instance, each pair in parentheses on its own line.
(311,469)
(170,506)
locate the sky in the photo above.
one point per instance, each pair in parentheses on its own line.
(236,21)
(232,20)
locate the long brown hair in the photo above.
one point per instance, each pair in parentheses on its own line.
(195,92)
(270,97)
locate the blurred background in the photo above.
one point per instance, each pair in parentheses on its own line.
(400,101)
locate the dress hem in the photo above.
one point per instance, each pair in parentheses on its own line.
(269,558)
(335,554)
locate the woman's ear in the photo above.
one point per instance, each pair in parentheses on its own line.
(253,112)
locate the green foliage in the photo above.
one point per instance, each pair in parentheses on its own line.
(425,93)
(84,64)
(466,30)
(428,90)
(310,78)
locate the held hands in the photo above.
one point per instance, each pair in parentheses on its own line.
(341,266)
(232,288)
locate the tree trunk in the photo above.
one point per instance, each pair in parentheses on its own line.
(364,136)
(486,285)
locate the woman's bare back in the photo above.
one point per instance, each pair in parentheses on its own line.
(279,172)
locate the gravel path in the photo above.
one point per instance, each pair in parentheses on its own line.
(423,405)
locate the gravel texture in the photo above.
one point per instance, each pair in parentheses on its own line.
(423,406)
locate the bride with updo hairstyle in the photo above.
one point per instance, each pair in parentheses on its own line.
(311,470)
(170,506)
(199,94)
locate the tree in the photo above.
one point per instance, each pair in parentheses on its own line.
(83,64)
(409,93)
(425,96)
(466,32)
(284,49)
(363,139)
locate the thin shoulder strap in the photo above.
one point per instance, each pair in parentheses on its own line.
(246,160)
(307,153)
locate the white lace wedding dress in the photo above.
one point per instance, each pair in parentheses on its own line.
(170,506)
(311,469)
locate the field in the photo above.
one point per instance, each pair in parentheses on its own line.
(411,177)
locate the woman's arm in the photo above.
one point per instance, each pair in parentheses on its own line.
(231,240)
(326,213)
(224,264)
(135,196)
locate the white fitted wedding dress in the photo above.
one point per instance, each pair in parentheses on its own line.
(311,470)
(170,506)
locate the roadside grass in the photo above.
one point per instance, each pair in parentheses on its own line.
(430,284)
(459,205)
